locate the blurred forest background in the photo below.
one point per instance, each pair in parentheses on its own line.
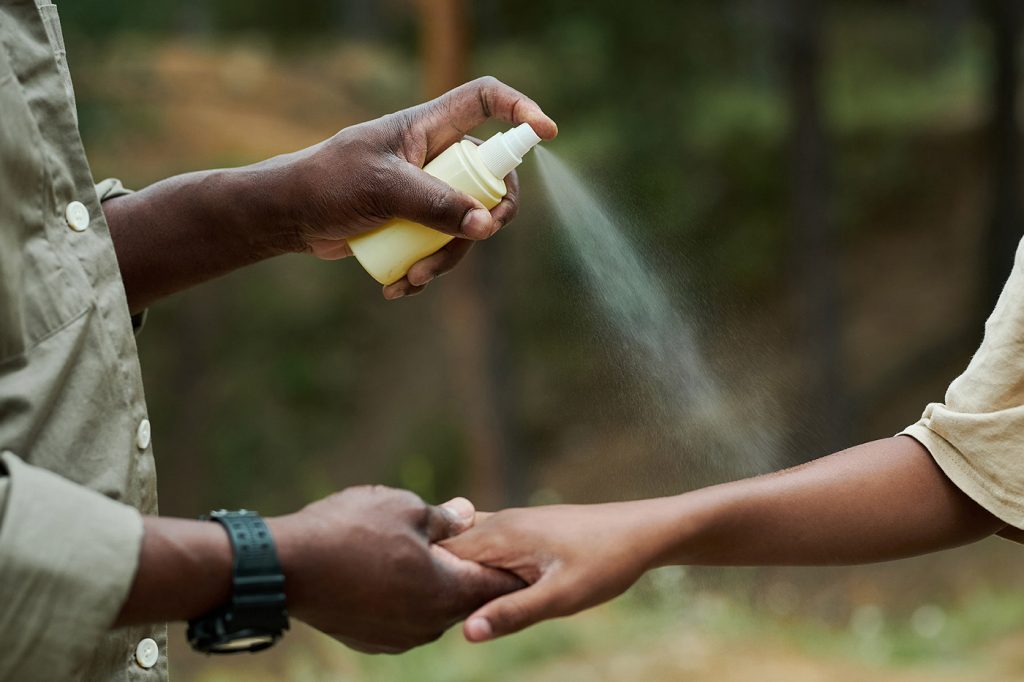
(832,189)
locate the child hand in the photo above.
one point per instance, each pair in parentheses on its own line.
(572,557)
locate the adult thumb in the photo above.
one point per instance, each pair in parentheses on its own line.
(512,612)
(449,519)
(428,201)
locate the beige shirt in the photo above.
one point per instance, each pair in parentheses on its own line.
(76,467)
(977,435)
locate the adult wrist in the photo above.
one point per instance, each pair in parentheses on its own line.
(194,558)
(261,209)
(288,541)
(255,617)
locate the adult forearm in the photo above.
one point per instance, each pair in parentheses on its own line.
(184,571)
(185,568)
(191,228)
(878,501)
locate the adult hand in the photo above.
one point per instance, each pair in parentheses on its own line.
(361,566)
(572,557)
(193,227)
(370,173)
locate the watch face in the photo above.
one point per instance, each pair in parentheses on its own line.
(247,643)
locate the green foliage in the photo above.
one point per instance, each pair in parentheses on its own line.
(432,461)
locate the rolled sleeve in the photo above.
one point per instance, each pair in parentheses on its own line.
(68,556)
(111,188)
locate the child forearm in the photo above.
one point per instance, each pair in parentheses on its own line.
(882,500)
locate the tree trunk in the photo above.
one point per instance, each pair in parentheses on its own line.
(1005,225)
(468,298)
(814,254)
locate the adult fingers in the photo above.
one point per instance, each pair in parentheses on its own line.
(439,262)
(469,105)
(427,269)
(463,510)
(470,584)
(449,519)
(400,289)
(508,207)
(476,544)
(426,200)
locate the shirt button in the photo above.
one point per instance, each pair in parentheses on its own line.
(147,653)
(143,434)
(77,216)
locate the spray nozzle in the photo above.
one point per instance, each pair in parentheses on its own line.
(504,151)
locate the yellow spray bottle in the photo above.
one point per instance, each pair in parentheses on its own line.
(388,251)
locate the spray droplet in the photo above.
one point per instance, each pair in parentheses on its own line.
(685,403)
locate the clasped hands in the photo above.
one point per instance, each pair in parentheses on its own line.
(382,571)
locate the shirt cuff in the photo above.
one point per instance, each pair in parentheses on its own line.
(111,188)
(968,479)
(68,556)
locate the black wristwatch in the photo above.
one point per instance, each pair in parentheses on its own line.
(255,617)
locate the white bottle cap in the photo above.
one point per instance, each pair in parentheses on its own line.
(504,151)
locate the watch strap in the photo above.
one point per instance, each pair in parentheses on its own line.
(257,611)
(258,582)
